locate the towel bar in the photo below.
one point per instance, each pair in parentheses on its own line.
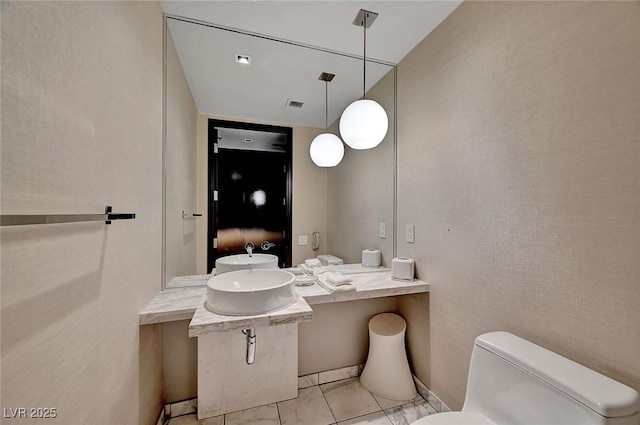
(21,220)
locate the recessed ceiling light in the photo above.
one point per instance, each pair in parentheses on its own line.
(243,59)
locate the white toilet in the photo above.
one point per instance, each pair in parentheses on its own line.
(515,382)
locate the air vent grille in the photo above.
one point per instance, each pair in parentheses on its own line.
(295,104)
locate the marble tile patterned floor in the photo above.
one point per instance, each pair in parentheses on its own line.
(344,402)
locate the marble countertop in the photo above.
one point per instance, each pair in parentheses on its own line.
(183,303)
(204,321)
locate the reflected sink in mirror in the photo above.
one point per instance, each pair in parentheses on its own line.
(250,292)
(232,263)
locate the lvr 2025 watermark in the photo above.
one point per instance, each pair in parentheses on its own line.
(29,412)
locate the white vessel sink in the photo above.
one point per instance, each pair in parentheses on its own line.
(250,292)
(244,262)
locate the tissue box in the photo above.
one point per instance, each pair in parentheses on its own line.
(330,260)
(371,258)
(402,268)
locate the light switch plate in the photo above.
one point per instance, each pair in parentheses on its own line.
(303,240)
(383,230)
(411,233)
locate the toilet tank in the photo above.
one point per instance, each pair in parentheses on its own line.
(515,382)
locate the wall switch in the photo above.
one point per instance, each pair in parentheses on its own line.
(411,233)
(383,230)
(303,240)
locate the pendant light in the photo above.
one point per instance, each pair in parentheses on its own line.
(364,123)
(326,149)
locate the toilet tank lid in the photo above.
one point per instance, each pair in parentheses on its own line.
(605,396)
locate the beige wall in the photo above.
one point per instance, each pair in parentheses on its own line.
(81,128)
(519,164)
(180,362)
(203,199)
(150,371)
(415,310)
(338,335)
(360,190)
(181,160)
(309,196)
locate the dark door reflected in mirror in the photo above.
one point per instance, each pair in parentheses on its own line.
(250,190)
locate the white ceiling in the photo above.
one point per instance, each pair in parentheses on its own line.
(281,71)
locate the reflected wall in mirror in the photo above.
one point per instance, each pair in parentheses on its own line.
(204,82)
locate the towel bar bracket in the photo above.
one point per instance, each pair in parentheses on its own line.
(117,216)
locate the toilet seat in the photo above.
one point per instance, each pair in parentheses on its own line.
(454,418)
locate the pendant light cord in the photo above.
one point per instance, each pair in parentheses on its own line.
(364,58)
(326,106)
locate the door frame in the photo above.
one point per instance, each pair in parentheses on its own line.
(212,182)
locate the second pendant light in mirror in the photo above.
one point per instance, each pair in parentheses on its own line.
(326,149)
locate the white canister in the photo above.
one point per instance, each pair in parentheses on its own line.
(371,258)
(402,268)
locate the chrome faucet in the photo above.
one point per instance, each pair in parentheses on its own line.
(266,245)
(249,247)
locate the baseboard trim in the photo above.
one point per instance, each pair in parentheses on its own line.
(161,418)
(431,398)
(332,375)
(180,408)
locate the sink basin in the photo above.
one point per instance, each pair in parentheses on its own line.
(243,262)
(249,292)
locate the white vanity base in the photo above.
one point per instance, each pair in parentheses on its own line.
(226,383)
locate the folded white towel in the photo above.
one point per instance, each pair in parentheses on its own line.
(336,278)
(305,268)
(305,280)
(330,288)
(313,270)
(312,262)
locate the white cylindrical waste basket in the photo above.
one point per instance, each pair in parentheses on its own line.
(387,372)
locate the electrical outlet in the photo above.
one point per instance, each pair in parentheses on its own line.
(411,233)
(383,230)
(303,240)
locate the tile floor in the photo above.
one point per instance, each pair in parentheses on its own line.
(344,402)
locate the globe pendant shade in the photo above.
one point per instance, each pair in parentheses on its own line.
(326,150)
(364,124)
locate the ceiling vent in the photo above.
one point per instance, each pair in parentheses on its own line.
(243,59)
(294,103)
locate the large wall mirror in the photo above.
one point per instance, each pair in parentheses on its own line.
(253,111)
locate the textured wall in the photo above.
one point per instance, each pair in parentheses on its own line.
(81,128)
(180,362)
(309,196)
(360,190)
(338,335)
(181,160)
(150,363)
(415,310)
(519,164)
